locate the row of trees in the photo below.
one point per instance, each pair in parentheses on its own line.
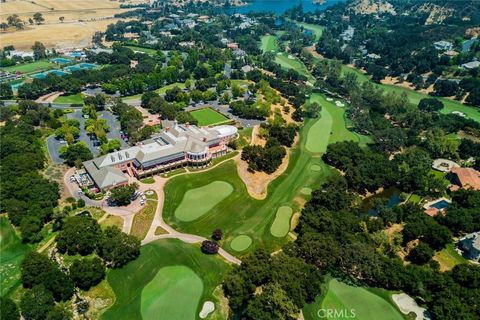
(27,196)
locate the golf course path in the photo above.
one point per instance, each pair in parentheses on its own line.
(158,221)
(127,213)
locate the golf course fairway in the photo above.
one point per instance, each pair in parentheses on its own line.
(12,253)
(196,202)
(319,134)
(169,280)
(241,243)
(348,301)
(281,224)
(175,291)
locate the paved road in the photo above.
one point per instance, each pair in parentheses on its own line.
(53,146)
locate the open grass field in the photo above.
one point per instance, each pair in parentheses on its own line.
(174,292)
(76,34)
(281,225)
(141,287)
(208,117)
(352,303)
(12,253)
(81,19)
(315,28)
(269,44)
(74,98)
(414,96)
(449,258)
(36,66)
(160,91)
(196,202)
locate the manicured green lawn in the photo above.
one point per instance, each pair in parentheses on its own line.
(74,99)
(208,116)
(141,49)
(269,43)
(239,214)
(12,252)
(174,291)
(449,258)
(352,303)
(196,202)
(137,295)
(241,243)
(29,67)
(319,134)
(287,61)
(162,90)
(315,28)
(281,224)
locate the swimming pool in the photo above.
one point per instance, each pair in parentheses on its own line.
(440,205)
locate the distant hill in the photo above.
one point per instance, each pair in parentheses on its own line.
(431,12)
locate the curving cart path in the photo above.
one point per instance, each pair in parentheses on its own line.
(127,213)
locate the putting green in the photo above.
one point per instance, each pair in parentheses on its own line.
(175,291)
(306,191)
(281,224)
(241,243)
(319,134)
(196,202)
(315,168)
(365,304)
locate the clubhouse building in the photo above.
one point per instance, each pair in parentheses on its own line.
(176,146)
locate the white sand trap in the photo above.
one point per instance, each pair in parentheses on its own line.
(329,99)
(207,308)
(291,57)
(339,104)
(406,304)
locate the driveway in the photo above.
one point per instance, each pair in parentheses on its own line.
(53,146)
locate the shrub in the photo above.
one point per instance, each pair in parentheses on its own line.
(210,247)
(217,234)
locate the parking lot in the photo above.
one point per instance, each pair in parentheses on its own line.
(54,145)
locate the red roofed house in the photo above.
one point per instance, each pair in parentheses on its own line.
(465,178)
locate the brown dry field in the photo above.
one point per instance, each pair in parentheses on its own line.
(66,35)
(82,19)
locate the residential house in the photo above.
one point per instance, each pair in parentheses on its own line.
(443,45)
(470,245)
(465,178)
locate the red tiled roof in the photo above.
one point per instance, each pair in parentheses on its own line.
(469,178)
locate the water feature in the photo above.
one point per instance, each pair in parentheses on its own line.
(391,194)
(280,6)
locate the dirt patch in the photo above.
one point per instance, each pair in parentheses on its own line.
(294,221)
(256,138)
(257,182)
(405,84)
